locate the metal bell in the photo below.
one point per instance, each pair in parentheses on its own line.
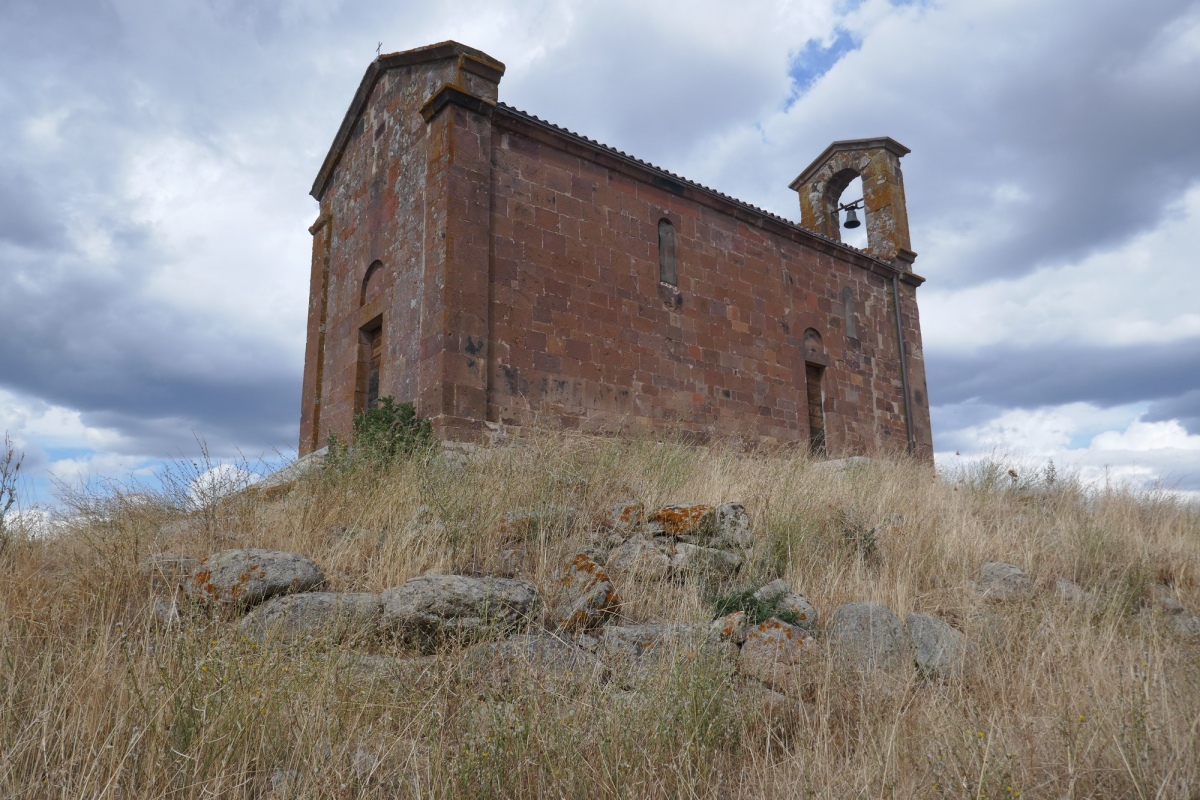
(852,218)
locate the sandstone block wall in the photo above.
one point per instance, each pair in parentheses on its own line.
(520,284)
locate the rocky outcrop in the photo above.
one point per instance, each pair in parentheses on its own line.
(784,600)
(939,650)
(435,608)
(1002,583)
(315,615)
(588,598)
(867,636)
(244,578)
(775,653)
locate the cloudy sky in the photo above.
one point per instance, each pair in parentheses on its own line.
(156,157)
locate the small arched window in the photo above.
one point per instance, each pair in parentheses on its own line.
(666,253)
(372,283)
(848,311)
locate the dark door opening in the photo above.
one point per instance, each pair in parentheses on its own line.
(816,409)
(370,360)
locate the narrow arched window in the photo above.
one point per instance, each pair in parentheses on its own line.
(848,312)
(666,253)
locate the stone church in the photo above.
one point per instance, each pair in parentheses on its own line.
(500,272)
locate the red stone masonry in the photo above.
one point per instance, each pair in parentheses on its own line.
(521,281)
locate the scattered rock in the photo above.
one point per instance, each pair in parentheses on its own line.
(723,526)
(624,516)
(637,641)
(772,652)
(785,599)
(437,607)
(869,636)
(284,783)
(1180,619)
(526,524)
(731,627)
(1165,601)
(641,558)
(940,650)
(326,615)
(544,659)
(1072,594)
(247,577)
(1003,583)
(168,570)
(589,599)
(693,558)
(729,526)
(679,519)
(165,612)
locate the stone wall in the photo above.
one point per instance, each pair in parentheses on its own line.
(520,284)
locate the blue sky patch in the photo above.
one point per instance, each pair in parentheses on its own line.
(816,59)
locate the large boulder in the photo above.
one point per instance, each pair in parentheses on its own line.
(642,558)
(432,608)
(247,577)
(692,558)
(775,652)
(939,650)
(588,598)
(784,599)
(314,615)
(1001,582)
(540,659)
(723,526)
(636,642)
(868,636)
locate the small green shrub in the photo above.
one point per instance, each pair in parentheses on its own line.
(757,611)
(384,433)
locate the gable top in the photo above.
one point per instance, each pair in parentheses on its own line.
(475,61)
(848,145)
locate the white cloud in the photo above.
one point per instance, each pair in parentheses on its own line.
(1114,445)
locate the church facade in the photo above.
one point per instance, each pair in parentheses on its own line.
(499,272)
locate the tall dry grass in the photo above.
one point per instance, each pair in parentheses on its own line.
(97,700)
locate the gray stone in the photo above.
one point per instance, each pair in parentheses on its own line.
(786,599)
(1165,601)
(247,577)
(640,558)
(587,597)
(1072,594)
(868,636)
(311,615)
(693,558)
(638,641)
(165,612)
(168,570)
(302,466)
(775,653)
(541,659)
(624,516)
(1186,624)
(939,650)
(1002,582)
(731,627)
(436,607)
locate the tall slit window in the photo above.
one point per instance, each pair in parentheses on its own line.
(666,253)
(848,312)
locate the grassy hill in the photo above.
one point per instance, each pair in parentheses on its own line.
(1099,697)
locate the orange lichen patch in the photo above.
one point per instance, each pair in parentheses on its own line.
(732,626)
(624,515)
(517,526)
(680,520)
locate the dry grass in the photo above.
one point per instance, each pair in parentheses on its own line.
(99,701)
